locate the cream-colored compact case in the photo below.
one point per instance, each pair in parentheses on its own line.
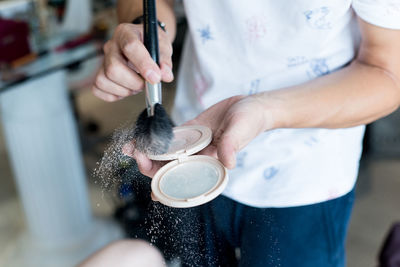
(188,180)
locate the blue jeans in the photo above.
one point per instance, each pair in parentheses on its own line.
(309,236)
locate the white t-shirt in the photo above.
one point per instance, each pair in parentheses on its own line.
(245,47)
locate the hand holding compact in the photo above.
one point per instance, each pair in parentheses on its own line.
(234,122)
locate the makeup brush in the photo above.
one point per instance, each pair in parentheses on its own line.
(153,132)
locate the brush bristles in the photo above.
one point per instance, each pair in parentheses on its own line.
(153,135)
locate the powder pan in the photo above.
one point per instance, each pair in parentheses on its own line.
(188,180)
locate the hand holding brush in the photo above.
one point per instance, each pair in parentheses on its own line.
(127,64)
(128,61)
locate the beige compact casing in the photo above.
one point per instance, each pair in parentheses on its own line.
(186,188)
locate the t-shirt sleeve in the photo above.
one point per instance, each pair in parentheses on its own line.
(383,13)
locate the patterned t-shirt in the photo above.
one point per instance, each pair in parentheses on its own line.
(245,47)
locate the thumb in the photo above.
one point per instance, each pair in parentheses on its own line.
(234,135)
(226,150)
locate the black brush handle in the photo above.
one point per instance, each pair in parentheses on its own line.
(150,35)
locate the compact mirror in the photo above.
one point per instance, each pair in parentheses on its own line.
(189,181)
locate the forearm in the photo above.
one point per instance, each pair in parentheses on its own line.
(357,94)
(128,10)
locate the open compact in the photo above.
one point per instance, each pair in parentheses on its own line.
(188,180)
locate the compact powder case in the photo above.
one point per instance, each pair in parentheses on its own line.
(188,180)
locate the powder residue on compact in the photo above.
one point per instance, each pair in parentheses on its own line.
(188,180)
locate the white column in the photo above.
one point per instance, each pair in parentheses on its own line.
(43,146)
(78,16)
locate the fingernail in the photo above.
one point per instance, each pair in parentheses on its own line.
(152,76)
(127,149)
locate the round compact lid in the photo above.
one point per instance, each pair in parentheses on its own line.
(187,140)
(189,181)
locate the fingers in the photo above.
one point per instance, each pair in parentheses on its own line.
(104,96)
(115,80)
(167,74)
(144,163)
(222,149)
(117,70)
(129,40)
(107,86)
(226,152)
(210,150)
(165,46)
(146,166)
(128,149)
(127,62)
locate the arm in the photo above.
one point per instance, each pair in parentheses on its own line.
(126,61)
(366,90)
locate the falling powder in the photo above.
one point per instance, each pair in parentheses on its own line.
(178,233)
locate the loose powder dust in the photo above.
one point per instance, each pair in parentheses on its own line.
(176,232)
(108,173)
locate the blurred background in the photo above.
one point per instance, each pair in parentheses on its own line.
(53,132)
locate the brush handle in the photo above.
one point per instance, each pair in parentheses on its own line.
(151,29)
(150,39)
